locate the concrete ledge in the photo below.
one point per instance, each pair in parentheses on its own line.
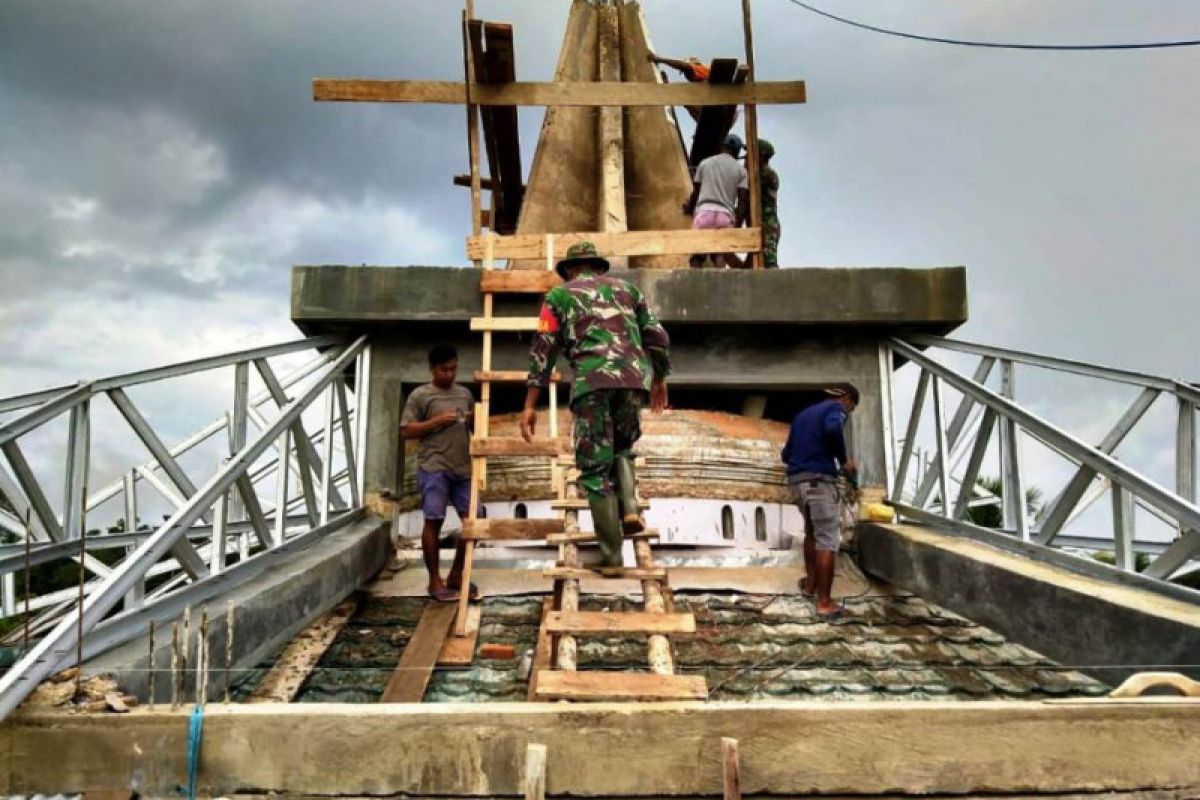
(1102,629)
(269,611)
(615,749)
(926,300)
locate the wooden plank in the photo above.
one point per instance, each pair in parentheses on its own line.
(584,537)
(754,259)
(509,376)
(492,49)
(559,685)
(580,503)
(611,185)
(296,662)
(605,622)
(518,281)
(472,109)
(629,573)
(535,772)
(584,93)
(543,651)
(408,682)
(516,446)
(626,243)
(732,788)
(516,529)
(504,324)
(459,651)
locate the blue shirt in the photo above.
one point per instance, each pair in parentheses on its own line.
(815,442)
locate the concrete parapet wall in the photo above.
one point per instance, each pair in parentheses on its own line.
(1102,629)
(268,612)
(615,749)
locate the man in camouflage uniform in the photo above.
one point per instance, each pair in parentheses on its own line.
(769,183)
(620,354)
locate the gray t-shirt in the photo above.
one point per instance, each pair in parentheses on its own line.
(720,177)
(448,449)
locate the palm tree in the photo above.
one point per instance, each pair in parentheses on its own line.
(992,516)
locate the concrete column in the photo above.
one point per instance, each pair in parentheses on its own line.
(384,404)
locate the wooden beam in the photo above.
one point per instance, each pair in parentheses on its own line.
(732,788)
(629,573)
(514,529)
(298,659)
(408,682)
(607,622)
(509,376)
(492,54)
(582,537)
(754,258)
(627,243)
(611,186)
(590,93)
(465,180)
(504,324)
(580,503)
(560,685)
(518,281)
(543,651)
(516,446)
(459,651)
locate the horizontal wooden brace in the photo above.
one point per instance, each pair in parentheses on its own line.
(629,573)
(512,529)
(517,281)
(583,537)
(581,503)
(504,324)
(581,93)
(509,376)
(606,622)
(620,243)
(562,685)
(516,446)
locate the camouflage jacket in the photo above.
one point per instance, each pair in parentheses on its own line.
(769,181)
(607,333)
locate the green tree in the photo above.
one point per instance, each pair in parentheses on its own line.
(992,516)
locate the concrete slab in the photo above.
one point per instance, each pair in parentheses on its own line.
(1104,630)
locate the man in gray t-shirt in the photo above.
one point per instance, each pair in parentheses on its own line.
(720,197)
(438,415)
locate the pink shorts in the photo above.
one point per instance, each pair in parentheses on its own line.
(708,219)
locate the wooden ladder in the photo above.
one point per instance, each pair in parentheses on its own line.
(554,676)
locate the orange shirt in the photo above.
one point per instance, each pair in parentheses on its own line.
(699,72)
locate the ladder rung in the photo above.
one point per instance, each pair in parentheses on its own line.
(568,460)
(518,281)
(509,376)
(504,324)
(584,537)
(605,622)
(562,685)
(516,446)
(581,503)
(630,573)
(514,529)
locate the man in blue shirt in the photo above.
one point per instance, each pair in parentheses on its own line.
(814,453)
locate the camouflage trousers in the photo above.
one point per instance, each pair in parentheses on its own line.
(772,231)
(607,424)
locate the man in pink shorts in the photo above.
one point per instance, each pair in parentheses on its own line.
(720,197)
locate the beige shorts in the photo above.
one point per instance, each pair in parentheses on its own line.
(817,498)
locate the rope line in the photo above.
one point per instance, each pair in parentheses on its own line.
(995,45)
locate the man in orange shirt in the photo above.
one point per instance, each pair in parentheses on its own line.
(691,68)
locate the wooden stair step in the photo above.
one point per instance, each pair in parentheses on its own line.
(509,376)
(606,622)
(563,685)
(568,460)
(583,537)
(629,573)
(581,503)
(512,529)
(518,281)
(516,446)
(504,324)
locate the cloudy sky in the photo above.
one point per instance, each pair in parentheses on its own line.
(162,165)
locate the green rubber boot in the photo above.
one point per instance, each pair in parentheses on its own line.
(607,522)
(631,515)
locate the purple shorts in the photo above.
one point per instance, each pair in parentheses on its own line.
(709,219)
(440,489)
